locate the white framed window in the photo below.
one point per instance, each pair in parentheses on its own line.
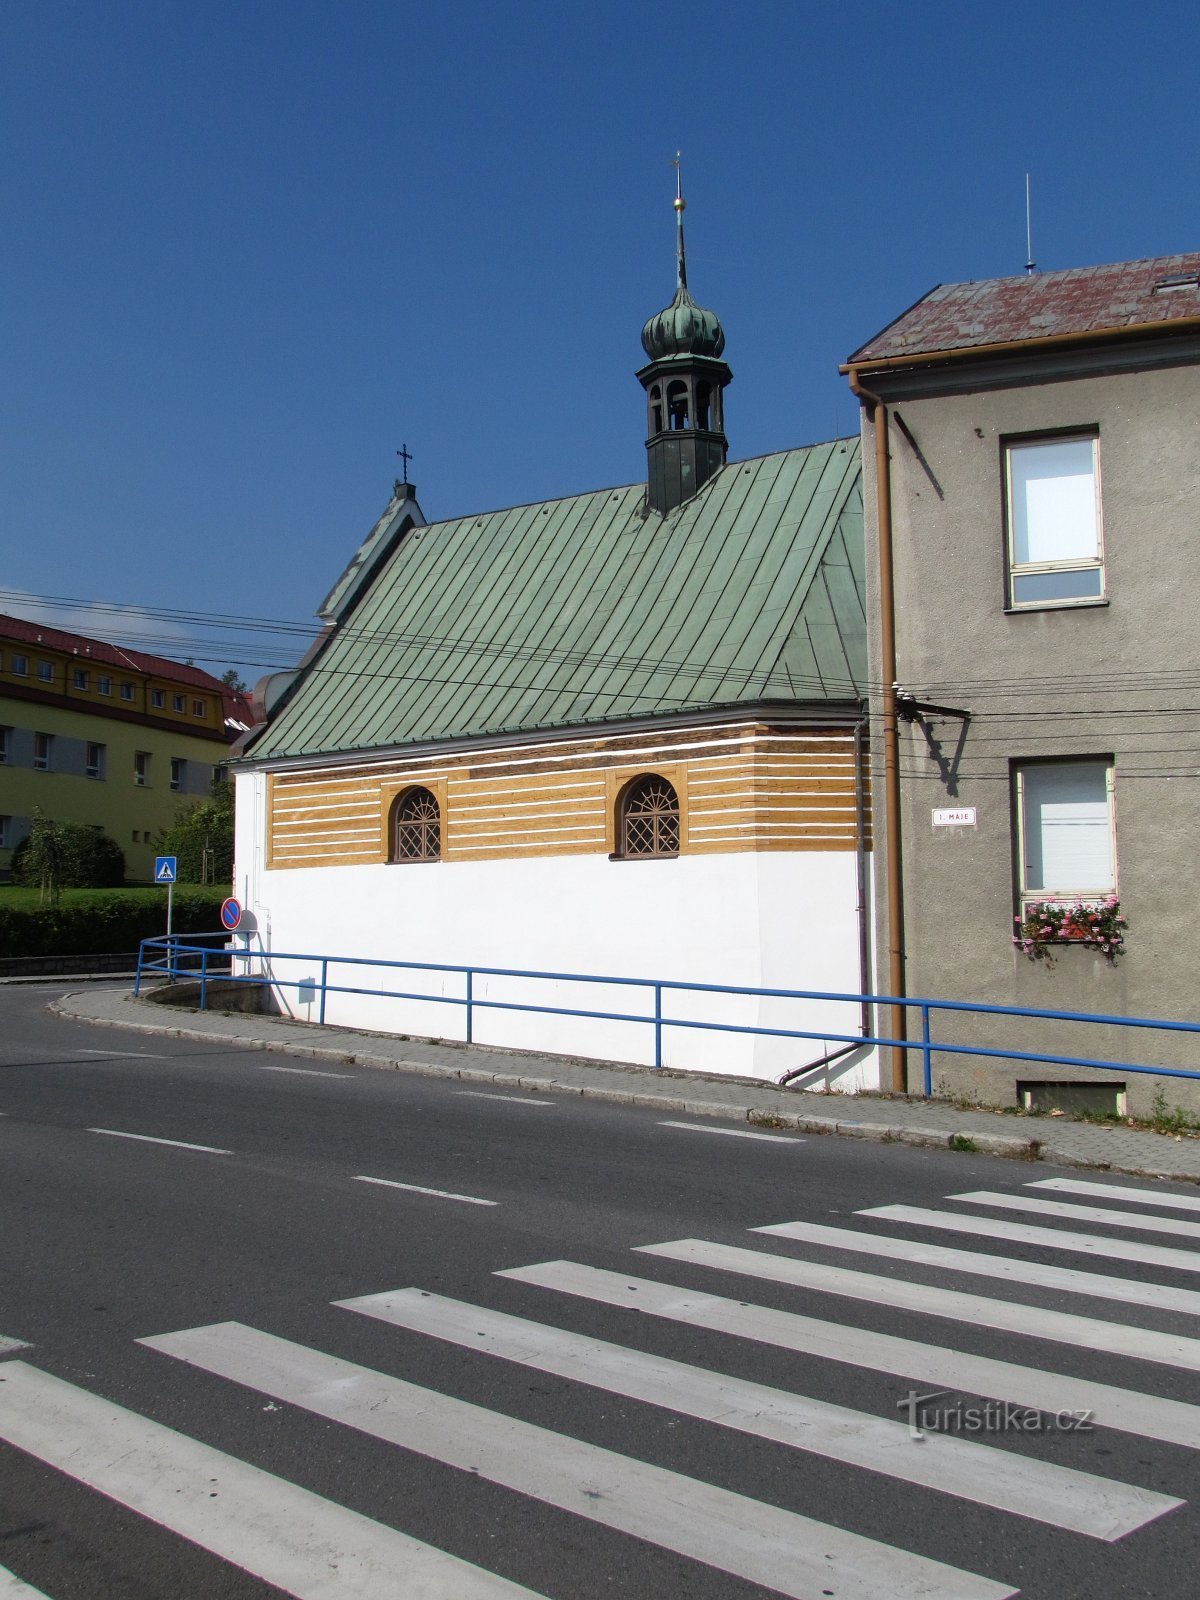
(45,672)
(94,765)
(43,749)
(179,702)
(103,685)
(5,825)
(178,772)
(198,708)
(19,666)
(5,735)
(157,699)
(79,679)
(1052,495)
(141,769)
(1066,830)
(126,691)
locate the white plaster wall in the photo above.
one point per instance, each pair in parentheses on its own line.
(784,920)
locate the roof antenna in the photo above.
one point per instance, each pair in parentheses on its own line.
(1030,263)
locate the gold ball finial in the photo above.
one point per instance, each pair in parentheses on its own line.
(679,203)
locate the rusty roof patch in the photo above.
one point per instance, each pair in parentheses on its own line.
(1041,305)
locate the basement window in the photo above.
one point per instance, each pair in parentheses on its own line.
(1107,1099)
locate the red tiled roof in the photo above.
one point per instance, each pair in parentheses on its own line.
(1039,305)
(109,655)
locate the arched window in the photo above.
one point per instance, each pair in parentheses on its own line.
(649,818)
(656,410)
(415,827)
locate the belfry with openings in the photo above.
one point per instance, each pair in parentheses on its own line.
(613,735)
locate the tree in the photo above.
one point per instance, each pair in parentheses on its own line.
(67,855)
(234,680)
(201,837)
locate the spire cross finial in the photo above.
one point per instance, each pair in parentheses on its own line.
(680,208)
(405,457)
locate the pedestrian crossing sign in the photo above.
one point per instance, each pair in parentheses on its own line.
(164,869)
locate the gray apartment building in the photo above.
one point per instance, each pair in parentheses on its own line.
(1031,453)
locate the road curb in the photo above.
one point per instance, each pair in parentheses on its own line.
(1009,1146)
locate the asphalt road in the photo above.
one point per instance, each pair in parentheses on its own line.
(570,1471)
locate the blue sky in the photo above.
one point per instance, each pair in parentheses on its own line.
(251,248)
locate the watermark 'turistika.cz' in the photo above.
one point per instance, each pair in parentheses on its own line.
(993,1416)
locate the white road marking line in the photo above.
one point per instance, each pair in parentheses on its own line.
(1088,1244)
(1005,1316)
(733,1133)
(306,1072)
(1162,1296)
(1172,1421)
(779,1549)
(416,1188)
(7,1346)
(145,1138)
(11,1588)
(972,1471)
(517,1099)
(283,1534)
(1073,1213)
(142,1055)
(1113,1191)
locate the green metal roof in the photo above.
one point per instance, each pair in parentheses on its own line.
(587,610)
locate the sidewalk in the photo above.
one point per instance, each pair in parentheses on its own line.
(1055,1139)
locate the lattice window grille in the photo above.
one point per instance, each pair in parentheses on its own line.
(650,819)
(416,827)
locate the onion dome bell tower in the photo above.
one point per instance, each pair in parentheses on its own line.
(684,383)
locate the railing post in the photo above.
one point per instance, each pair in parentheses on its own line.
(324,985)
(926,1053)
(658,1027)
(137,977)
(470,994)
(203,977)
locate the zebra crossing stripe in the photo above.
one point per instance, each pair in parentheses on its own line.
(778,1549)
(1088,1244)
(1113,1191)
(304,1545)
(1041,1491)
(1149,1415)
(1074,1213)
(1006,1316)
(1130,1291)
(11,1588)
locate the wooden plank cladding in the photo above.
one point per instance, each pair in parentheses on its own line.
(741,787)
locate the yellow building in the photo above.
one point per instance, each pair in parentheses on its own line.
(91,732)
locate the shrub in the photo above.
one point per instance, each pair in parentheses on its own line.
(104,924)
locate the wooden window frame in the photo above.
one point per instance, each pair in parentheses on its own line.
(389,795)
(617,780)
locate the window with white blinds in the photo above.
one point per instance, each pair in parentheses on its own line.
(1067,845)
(1054,529)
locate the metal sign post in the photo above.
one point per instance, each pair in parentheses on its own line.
(164,872)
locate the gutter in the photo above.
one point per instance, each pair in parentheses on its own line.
(1046,341)
(890,734)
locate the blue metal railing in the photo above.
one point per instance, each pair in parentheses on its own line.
(190,955)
